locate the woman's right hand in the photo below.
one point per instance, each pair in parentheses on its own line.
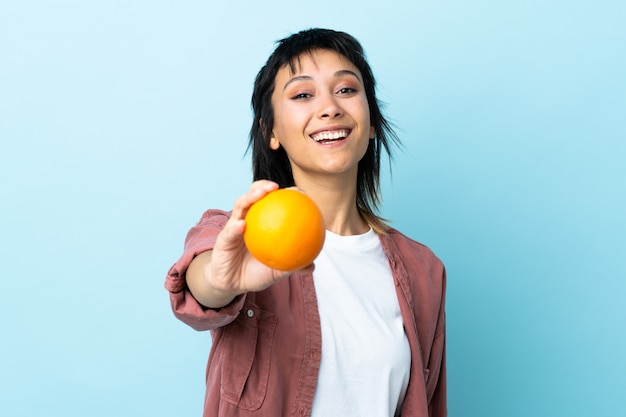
(216,277)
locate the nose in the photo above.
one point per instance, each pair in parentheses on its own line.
(329,107)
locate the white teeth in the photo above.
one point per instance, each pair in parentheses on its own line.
(330,135)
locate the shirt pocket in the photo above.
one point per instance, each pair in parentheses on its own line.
(246,358)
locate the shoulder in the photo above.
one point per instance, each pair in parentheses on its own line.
(426,273)
(409,248)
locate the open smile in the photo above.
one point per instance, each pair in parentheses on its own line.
(328,136)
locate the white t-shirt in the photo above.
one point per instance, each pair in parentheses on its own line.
(366,358)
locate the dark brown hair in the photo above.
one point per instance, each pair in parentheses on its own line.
(274,164)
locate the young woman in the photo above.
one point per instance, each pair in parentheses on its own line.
(362,331)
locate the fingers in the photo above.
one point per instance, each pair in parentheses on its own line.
(258,189)
(308,269)
(231,235)
(295,187)
(278,275)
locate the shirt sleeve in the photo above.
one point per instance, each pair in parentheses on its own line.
(200,238)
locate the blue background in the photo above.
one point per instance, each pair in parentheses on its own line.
(121,121)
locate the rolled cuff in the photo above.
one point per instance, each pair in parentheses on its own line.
(200,238)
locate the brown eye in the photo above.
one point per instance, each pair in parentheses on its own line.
(347,90)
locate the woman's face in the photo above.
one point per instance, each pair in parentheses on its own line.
(321,116)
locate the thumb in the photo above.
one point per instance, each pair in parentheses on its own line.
(231,235)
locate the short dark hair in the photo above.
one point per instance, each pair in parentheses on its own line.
(274,164)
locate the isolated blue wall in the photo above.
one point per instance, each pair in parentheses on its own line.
(121,121)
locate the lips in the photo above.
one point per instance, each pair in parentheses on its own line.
(330,135)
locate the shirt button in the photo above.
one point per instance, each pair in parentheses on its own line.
(314,355)
(250,313)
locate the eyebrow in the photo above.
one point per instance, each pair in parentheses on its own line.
(337,74)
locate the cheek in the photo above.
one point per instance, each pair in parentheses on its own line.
(288,122)
(362,108)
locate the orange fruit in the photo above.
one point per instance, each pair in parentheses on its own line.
(284,230)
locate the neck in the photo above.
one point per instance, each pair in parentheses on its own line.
(337,202)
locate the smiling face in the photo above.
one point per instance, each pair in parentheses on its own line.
(321,115)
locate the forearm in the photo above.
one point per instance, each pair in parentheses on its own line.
(198,282)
